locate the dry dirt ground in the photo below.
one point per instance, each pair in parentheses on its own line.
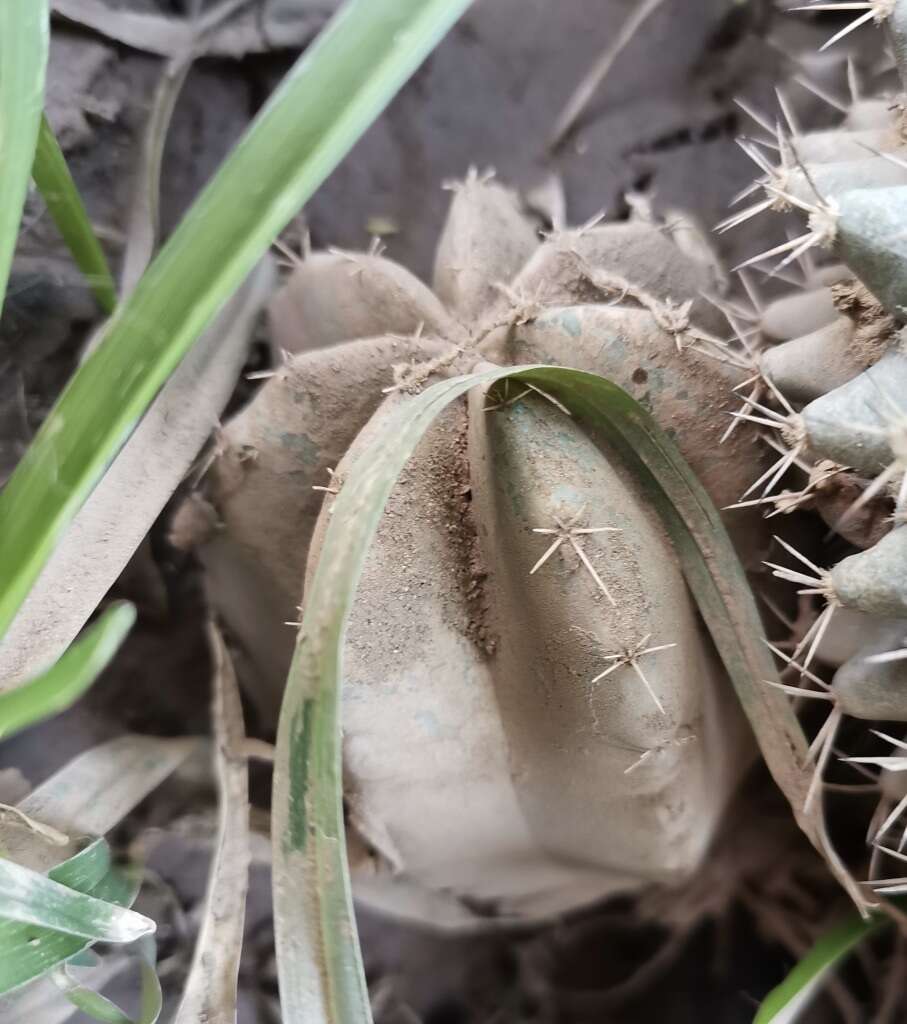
(489,96)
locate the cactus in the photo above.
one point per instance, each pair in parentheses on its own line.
(522,629)
(533,714)
(831,376)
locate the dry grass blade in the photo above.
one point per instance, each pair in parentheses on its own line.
(210,991)
(92,794)
(120,511)
(153,33)
(150,32)
(599,70)
(144,218)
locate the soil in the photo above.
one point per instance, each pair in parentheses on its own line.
(489,96)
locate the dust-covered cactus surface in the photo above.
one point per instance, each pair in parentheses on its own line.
(533,712)
(534,715)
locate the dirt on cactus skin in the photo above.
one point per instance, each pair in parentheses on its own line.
(874,326)
(626,345)
(489,95)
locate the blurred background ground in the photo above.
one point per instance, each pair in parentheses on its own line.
(490,95)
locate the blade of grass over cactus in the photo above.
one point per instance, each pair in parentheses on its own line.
(787,1001)
(65,682)
(24,36)
(319,964)
(65,205)
(334,92)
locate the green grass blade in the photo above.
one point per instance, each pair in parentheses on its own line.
(786,1002)
(152,998)
(329,98)
(90,795)
(35,899)
(100,1008)
(24,33)
(65,682)
(91,1003)
(90,872)
(65,205)
(319,964)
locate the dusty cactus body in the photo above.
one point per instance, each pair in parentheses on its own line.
(534,715)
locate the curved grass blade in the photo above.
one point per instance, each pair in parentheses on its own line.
(24,33)
(785,1003)
(67,680)
(89,1002)
(22,959)
(100,1008)
(35,899)
(65,205)
(319,964)
(329,98)
(93,793)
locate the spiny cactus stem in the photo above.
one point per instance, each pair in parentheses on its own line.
(775,472)
(792,432)
(895,433)
(568,532)
(630,657)
(790,427)
(823,228)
